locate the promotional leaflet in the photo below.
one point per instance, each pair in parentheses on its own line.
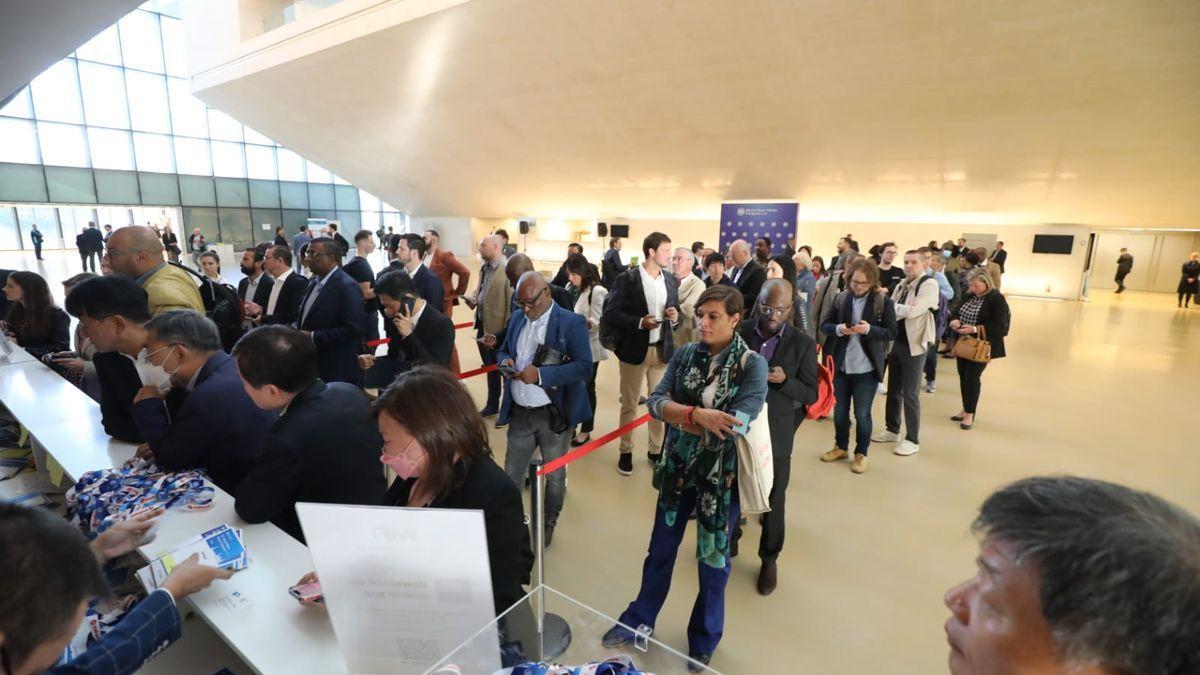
(221,546)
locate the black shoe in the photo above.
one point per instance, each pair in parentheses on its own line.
(500,425)
(625,464)
(617,636)
(654,458)
(641,400)
(698,662)
(488,411)
(733,543)
(768,578)
(575,442)
(547,537)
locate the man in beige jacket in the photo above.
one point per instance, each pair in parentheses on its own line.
(136,252)
(491,301)
(690,288)
(916,301)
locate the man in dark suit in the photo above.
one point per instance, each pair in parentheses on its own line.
(561,278)
(48,574)
(324,447)
(999,256)
(411,254)
(218,428)
(746,274)
(547,359)
(287,290)
(791,386)
(643,310)
(331,314)
(611,266)
(113,311)
(255,287)
(417,332)
(343,245)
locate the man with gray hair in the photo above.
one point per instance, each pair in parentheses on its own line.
(218,428)
(136,252)
(1079,576)
(683,263)
(747,274)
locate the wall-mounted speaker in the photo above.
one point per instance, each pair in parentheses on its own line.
(524,227)
(601,229)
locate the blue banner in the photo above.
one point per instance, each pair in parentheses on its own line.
(775,221)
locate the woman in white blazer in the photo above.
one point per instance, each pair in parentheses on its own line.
(589,304)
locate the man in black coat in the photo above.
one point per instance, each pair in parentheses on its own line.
(324,447)
(411,254)
(282,305)
(561,278)
(331,314)
(791,386)
(746,274)
(643,310)
(611,266)
(343,245)
(999,255)
(417,332)
(113,311)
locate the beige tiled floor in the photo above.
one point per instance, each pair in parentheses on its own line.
(1104,389)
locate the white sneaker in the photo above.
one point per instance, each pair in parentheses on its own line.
(885,436)
(906,447)
(882,389)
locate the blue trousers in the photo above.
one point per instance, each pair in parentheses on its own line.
(707,624)
(860,389)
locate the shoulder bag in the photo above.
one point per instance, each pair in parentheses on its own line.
(974,347)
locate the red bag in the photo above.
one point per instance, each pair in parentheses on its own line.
(823,406)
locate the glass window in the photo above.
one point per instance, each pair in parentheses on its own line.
(104,95)
(260,161)
(174,47)
(253,136)
(320,196)
(117,216)
(10,238)
(191,156)
(116,187)
(159,188)
(228,159)
(141,44)
(19,106)
(63,144)
(371,220)
(168,7)
(153,153)
(22,183)
(235,229)
(111,149)
(70,185)
(291,166)
(294,195)
(351,223)
(392,220)
(18,141)
(368,201)
(197,191)
(232,192)
(188,116)
(316,174)
(203,218)
(105,47)
(223,127)
(338,180)
(148,102)
(56,94)
(347,197)
(273,217)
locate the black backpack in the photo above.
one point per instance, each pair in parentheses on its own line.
(222,305)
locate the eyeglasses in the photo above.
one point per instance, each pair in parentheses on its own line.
(769,310)
(533,301)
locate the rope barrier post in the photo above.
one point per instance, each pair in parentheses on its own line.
(554,634)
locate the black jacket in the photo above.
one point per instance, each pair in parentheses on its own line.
(218,427)
(91,241)
(994,316)
(883,330)
(324,448)
(624,310)
(611,267)
(56,339)
(751,282)
(999,257)
(342,243)
(487,488)
(796,354)
(119,383)
(429,286)
(287,305)
(430,342)
(261,294)
(336,322)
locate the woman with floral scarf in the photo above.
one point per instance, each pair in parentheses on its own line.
(705,383)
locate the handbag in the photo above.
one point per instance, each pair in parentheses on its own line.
(756,466)
(974,347)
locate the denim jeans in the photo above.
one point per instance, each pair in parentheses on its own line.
(859,388)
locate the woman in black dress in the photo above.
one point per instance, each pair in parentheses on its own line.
(1189,281)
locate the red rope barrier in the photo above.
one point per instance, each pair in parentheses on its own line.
(592,445)
(460,326)
(477,371)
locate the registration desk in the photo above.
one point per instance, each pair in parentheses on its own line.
(252,612)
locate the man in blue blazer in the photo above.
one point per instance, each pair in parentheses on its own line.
(410,252)
(331,314)
(49,573)
(218,428)
(299,241)
(546,359)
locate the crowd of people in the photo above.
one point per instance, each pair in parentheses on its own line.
(276,389)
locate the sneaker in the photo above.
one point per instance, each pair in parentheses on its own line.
(930,387)
(697,662)
(617,636)
(654,458)
(625,464)
(906,447)
(860,463)
(641,400)
(885,436)
(834,455)
(882,389)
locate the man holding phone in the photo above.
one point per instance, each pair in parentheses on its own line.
(491,305)
(546,360)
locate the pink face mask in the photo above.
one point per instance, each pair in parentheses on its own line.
(404,466)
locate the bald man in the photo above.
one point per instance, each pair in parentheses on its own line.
(491,302)
(136,252)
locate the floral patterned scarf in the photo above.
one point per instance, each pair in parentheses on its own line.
(707,463)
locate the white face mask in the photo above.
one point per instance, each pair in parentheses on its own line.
(152,375)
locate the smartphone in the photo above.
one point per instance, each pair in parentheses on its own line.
(310,592)
(61,356)
(743,422)
(508,371)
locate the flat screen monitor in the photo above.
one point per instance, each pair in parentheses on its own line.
(1062,244)
(619,231)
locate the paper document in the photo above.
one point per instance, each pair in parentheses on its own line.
(221,546)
